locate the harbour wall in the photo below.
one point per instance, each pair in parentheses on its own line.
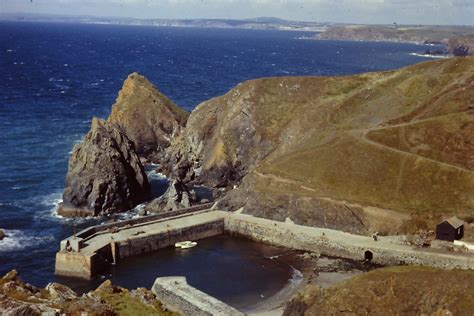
(137,246)
(340,244)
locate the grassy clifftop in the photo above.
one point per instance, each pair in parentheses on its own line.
(397,140)
(401,140)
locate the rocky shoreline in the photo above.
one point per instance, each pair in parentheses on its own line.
(20,298)
(458,41)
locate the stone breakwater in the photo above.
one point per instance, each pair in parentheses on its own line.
(94,249)
(178,295)
(85,257)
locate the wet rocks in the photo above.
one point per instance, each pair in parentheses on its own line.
(176,197)
(148,118)
(2,234)
(105,174)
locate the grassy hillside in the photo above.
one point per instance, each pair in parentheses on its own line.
(391,291)
(396,141)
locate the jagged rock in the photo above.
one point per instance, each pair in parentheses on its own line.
(148,118)
(108,287)
(105,174)
(23,309)
(176,197)
(10,276)
(60,293)
(2,234)
(18,298)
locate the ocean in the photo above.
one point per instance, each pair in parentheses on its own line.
(55,77)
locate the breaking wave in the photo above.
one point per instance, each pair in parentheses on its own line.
(19,240)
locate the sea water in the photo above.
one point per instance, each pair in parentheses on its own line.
(55,77)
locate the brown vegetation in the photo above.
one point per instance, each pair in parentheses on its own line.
(391,291)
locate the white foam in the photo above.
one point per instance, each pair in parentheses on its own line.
(152,174)
(430,56)
(17,240)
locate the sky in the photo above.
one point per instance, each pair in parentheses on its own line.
(437,12)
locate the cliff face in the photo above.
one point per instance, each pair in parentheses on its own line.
(358,153)
(461,46)
(148,118)
(391,291)
(104,174)
(392,33)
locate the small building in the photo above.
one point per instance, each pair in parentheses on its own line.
(451,229)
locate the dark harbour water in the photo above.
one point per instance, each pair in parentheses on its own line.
(237,271)
(55,77)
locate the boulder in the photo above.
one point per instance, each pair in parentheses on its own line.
(176,197)
(59,293)
(105,174)
(2,234)
(148,118)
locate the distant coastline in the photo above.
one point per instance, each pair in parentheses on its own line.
(261,23)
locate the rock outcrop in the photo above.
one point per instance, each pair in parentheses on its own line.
(349,153)
(2,234)
(105,174)
(395,33)
(461,46)
(20,298)
(391,291)
(176,197)
(148,118)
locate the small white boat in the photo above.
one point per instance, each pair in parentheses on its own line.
(185,244)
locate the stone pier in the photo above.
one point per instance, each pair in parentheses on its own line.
(91,251)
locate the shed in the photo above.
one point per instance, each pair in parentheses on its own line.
(450,229)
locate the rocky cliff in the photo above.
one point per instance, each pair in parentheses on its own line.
(461,46)
(357,153)
(105,174)
(148,118)
(391,291)
(395,33)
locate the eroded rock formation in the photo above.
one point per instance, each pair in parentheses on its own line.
(105,174)
(148,118)
(176,197)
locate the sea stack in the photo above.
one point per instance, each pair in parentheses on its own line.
(105,174)
(148,118)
